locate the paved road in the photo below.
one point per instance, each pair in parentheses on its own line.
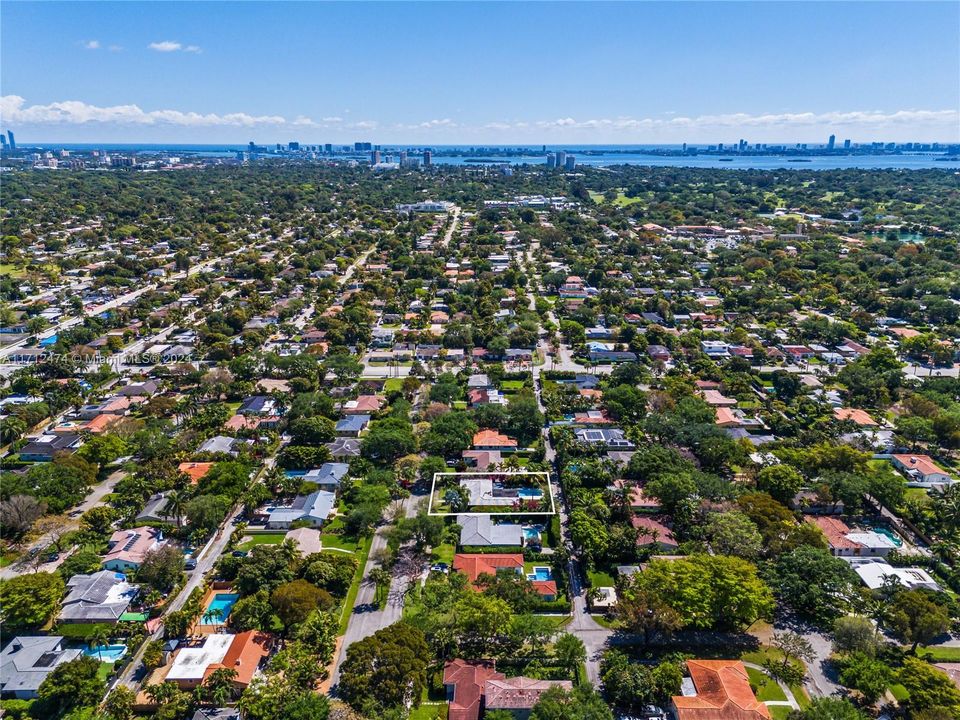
(366,618)
(453,226)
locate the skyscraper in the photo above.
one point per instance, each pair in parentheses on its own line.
(551,160)
(846,144)
(328,148)
(832,142)
(561,158)
(10,140)
(570,163)
(427,158)
(375,157)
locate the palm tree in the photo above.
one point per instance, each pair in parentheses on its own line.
(381,578)
(213,616)
(98,639)
(176,501)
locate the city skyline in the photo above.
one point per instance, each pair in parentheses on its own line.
(610,73)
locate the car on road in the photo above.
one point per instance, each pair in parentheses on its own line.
(190,564)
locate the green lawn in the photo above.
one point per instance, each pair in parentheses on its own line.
(601,579)
(103,672)
(443,553)
(272,538)
(341,542)
(351,598)
(766,687)
(393,385)
(432,711)
(11,270)
(779,712)
(940,654)
(511,385)
(899,692)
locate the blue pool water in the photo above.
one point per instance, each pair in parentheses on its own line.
(223,602)
(106,653)
(295,473)
(530,493)
(531,532)
(540,573)
(893,538)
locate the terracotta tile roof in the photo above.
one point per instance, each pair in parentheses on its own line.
(242,422)
(195,470)
(101,423)
(858,416)
(491,438)
(725,418)
(244,656)
(475,565)
(651,527)
(467,679)
(723,693)
(518,693)
(835,530)
(923,463)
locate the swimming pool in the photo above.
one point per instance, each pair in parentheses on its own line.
(531,532)
(223,602)
(106,653)
(886,533)
(529,493)
(540,573)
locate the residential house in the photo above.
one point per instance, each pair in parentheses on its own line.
(307,540)
(659,352)
(352,425)
(921,471)
(875,574)
(855,415)
(46,447)
(243,653)
(327,476)
(364,404)
(155,509)
(721,691)
(101,597)
(464,683)
(482,531)
(221,444)
(26,662)
(493,440)
(314,508)
(846,542)
(128,548)
(653,530)
(518,695)
(607,437)
(195,470)
(473,565)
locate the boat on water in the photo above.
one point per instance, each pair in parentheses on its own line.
(725,159)
(799,160)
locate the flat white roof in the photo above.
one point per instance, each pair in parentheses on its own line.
(191,663)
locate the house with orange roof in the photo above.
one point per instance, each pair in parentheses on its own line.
(102,423)
(518,695)
(242,422)
(473,565)
(845,541)
(722,692)
(464,683)
(364,405)
(653,530)
(860,417)
(195,470)
(718,399)
(242,653)
(492,440)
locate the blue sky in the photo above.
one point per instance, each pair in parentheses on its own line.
(448,72)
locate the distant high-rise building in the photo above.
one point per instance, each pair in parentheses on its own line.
(10,140)
(832,142)
(403,157)
(720,147)
(293,146)
(846,144)
(3,142)
(375,157)
(561,158)
(742,145)
(551,160)
(328,148)
(684,147)
(427,158)
(570,163)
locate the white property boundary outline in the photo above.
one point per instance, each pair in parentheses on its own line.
(545,475)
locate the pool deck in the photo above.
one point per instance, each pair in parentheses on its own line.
(198,627)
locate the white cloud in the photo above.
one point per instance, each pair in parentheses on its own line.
(169,46)
(15,111)
(783,126)
(92,44)
(165,46)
